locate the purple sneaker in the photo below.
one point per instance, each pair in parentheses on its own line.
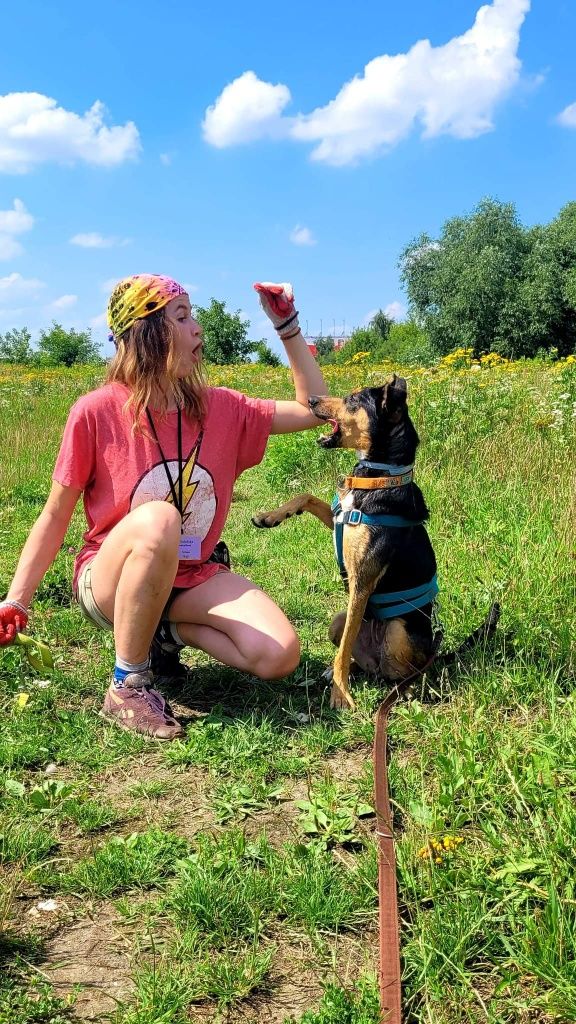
(138,708)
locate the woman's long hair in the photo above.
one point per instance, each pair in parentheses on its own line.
(144,354)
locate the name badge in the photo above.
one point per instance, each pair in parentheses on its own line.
(189,548)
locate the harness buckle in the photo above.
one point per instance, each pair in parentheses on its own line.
(354,517)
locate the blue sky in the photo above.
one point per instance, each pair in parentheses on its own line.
(229,143)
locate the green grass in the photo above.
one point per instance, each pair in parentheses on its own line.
(242,851)
(358,1005)
(138,861)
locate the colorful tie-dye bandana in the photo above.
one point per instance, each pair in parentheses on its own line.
(136,297)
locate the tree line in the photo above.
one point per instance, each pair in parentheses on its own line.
(486,283)
(225,341)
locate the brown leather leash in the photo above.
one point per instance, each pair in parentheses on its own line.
(389,926)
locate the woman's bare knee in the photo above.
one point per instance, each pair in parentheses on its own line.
(156,516)
(156,528)
(277,660)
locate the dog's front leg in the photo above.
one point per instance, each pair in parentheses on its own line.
(295,507)
(340,696)
(363,571)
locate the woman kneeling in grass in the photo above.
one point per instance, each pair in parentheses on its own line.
(155,454)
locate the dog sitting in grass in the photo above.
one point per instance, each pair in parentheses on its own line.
(382,546)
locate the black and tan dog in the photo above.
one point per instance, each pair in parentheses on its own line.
(382,545)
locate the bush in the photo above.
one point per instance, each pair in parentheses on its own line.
(404,343)
(58,347)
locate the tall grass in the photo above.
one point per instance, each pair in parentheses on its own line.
(483,763)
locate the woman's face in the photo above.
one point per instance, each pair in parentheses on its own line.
(186,332)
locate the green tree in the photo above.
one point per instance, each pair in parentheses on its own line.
(225,334)
(15,346)
(362,339)
(264,354)
(459,284)
(407,344)
(324,347)
(381,323)
(58,347)
(488,283)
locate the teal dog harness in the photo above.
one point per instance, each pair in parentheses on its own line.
(386,605)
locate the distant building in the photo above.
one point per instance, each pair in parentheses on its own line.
(312,339)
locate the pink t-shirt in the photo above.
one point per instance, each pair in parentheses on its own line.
(117,470)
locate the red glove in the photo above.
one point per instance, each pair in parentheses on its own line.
(13,619)
(277,301)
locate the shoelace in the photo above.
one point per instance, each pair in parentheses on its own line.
(154,700)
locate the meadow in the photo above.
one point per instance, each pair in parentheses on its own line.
(231,876)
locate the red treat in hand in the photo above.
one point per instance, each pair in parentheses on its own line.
(13,620)
(277,301)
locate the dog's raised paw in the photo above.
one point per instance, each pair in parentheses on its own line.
(261,523)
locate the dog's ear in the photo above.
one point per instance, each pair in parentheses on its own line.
(394,395)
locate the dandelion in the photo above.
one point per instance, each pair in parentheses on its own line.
(437,850)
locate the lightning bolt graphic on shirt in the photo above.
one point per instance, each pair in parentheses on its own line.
(188,487)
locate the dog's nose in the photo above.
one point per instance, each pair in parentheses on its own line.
(313,401)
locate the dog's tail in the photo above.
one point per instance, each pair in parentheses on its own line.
(481,635)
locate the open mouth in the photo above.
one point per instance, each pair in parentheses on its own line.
(331,440)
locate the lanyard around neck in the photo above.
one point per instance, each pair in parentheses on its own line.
(176,498)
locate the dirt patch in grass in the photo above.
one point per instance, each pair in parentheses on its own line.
(295,981)
(91,953)
(279,822)
(155,794)
(348,765)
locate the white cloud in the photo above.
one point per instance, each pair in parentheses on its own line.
(64,302)
(452,89)
(395,310)
(301,235)
(567,117)
(15,288)
(99,321)
(9,247)
(190,288)
(94,240)
(35,130)
(13,222)
(246,110)
(166,159)
(17,220)
(10,316)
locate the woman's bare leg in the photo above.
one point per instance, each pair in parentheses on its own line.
(236,623)
(227,616)
(133,574)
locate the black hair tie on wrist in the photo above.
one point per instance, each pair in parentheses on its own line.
(293,334)
(287,322)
